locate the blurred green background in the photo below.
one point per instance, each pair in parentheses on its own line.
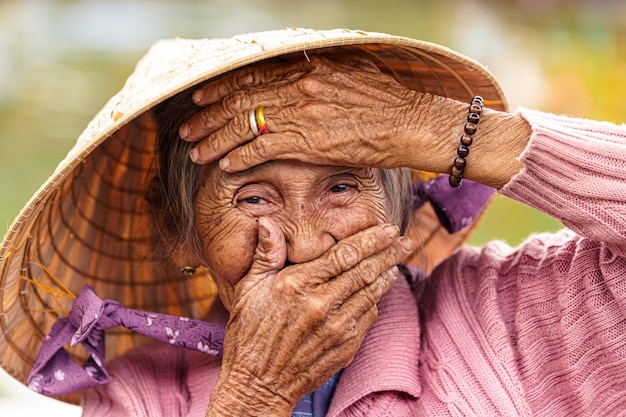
(60,60)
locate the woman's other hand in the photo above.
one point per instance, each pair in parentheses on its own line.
(291,328)
(341,110)
(321,110)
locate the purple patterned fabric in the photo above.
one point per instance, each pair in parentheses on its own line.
(456,208)
(56,373)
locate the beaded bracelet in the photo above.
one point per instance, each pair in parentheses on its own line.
(456,172)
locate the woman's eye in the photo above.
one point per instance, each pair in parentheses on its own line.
(252,200)
(339,188)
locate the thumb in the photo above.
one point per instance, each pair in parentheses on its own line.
(271,251)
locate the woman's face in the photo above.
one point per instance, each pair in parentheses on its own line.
(314,206)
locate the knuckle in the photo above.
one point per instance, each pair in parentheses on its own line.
(388,277)
(260,147)
(239,124)
(288,285)
(245,154)
(247,76)
(397,253)
(256,76)
(336,329)
(317,308)
(382,283)
(368,270)
(310,86)
(346,256)
(374,296)
(203,118)
(352,338)
(369,297)
(351,329)
(354,332)
(213,144)
(234,101)
(352,341)
(368,242)
(224,87)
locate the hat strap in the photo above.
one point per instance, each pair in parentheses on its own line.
(56,373)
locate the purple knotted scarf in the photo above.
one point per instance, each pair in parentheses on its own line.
(56,373)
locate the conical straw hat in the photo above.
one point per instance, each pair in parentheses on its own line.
(89,224)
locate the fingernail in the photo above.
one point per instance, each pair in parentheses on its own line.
(194,154)
(224,163)
(392,230)
(197,96)
(183,131)
(407,244)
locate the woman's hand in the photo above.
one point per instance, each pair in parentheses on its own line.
(291,328)
(331,111)
(338,110)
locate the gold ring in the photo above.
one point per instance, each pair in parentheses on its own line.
(260,117)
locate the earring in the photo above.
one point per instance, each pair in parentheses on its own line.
(188,270)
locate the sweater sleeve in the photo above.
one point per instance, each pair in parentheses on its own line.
(575,171)
(156,380)
(539,329)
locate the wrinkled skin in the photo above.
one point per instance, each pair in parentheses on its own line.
(341,110)
(312,253)
(345,95)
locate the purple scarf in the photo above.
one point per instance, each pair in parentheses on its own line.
(56,373)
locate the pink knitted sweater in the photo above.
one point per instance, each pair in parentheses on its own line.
(536,330)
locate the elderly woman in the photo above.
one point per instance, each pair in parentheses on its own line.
(291,207)
(269,235)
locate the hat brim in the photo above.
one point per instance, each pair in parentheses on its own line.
(89,223)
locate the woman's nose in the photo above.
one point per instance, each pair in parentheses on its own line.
(306,242)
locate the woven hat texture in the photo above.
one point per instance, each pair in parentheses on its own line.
(89,223)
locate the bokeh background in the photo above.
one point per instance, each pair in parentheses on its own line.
(60,60)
